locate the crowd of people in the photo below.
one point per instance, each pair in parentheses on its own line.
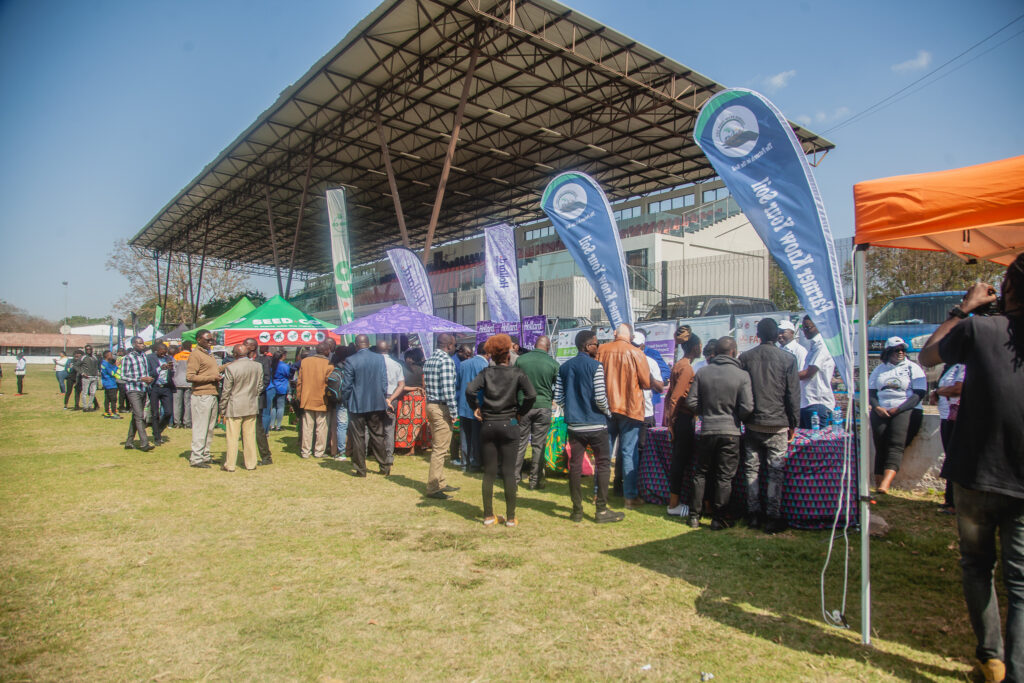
(359,401)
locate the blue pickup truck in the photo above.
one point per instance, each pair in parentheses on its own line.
(913,317)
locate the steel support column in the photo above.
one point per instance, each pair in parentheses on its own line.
(399,214)
(273,240)
(298,221)
(449,157)
(864,456)
(202,266)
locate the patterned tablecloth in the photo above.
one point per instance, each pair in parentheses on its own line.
(814,477)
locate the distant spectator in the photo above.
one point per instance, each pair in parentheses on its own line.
(19,373)
(89,373)
(108,370)
(896,390)
(60,369)
(71,384)
(182,388)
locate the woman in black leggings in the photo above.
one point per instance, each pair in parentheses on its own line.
(499,413)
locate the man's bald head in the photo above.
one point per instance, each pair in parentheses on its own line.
(383,347)
(726,347)
(445,342)
(362,341)
(542,344)
(624,332)
(240,351)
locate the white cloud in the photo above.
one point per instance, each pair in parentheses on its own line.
(821,117)
(779,80)
(921,61)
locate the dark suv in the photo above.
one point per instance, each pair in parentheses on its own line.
(704,305)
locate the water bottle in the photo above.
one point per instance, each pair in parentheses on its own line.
(837,418)
(815,422)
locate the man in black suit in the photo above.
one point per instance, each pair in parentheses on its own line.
(364,393)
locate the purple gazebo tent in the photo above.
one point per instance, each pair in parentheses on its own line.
(400,319)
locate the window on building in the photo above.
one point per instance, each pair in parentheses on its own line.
(640,276)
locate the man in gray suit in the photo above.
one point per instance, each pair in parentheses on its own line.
(364,392)
(239,403)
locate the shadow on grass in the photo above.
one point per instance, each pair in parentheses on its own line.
(768,588)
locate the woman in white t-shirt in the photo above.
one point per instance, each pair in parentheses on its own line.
(950,385)
(895,391)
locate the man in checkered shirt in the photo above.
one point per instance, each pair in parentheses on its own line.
(439,381)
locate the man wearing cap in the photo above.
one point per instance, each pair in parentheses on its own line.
(816,379)
(776,386)
(788,342)
(652,396)
(626,376)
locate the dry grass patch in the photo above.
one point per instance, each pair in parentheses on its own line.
(124,565)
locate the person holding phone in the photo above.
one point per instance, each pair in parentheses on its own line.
(499,414)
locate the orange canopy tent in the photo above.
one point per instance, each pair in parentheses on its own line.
(973,212)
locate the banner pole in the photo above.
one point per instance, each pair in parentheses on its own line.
(859,260)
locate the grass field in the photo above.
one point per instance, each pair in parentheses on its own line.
(126,565)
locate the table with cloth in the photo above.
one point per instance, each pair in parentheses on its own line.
(814,476)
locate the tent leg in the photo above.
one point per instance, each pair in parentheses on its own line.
(864,459)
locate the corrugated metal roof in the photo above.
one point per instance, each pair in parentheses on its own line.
(553,90)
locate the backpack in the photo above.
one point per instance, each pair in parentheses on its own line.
(332,392)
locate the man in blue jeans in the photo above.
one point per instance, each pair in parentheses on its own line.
(987,462)
(626,375)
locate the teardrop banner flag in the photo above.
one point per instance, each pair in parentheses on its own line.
(416,287)
(337,218)
(501,281)
(757,155)
(582,216)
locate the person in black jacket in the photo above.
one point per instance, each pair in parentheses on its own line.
(160,366)
(499,414)
(775,382)
(721,396)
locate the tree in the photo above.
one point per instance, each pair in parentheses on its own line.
(896,272)
(780,291)
(81,320)
(14,319)
(215,307)
(140,271)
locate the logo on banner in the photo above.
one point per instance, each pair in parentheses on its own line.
(279,336)
(306,335)
(570,201)
(264,337)
(736,131)
(293,335)
(320,336)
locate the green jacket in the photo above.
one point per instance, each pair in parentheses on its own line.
(541,369)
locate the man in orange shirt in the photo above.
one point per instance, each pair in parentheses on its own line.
(626,374)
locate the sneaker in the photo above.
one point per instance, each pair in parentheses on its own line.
(340,458)
(448,489)
(718,524)
(512,522)
(201,465)
(681,510)
(115,416)
(493,521)
(576,516)
(993,670)
(753,520)
(604,516)
(775,525)
(694,521)
(634,503)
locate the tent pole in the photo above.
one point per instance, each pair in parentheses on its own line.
(863,465)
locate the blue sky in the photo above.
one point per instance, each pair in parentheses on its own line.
(110,108)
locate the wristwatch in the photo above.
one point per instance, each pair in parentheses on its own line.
(957,312)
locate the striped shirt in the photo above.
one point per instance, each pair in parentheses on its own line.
(600,400)
(439,380)
(133,369)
